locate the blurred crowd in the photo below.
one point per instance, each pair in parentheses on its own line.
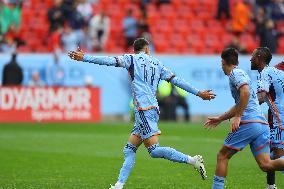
(267,17)
(74,23)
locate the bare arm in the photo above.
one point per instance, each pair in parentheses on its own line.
(235,112)
(261,96)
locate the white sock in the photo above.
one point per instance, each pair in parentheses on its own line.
(191,160)
(120,184)
(271,186)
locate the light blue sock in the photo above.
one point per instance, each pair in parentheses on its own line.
(129,161)
(167,153)
(218,182)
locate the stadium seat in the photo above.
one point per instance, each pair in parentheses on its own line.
(181,18)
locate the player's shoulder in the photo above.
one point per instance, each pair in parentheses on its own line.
(237,72)
(269,70)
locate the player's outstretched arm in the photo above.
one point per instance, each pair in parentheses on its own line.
(76,55)
(213,122)
(205,95)
(79,55)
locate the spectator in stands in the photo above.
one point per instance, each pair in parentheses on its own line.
(262,3)
(236,44)
(69,39)
(35,80)
(240,17)
(160,2)
(142,25)
(75,18)
(269,36)
(56,15)
(55,73)
(54,42)
(8,45)
(259,19)
(130,28)
(12,73)
(223,8)
(148,37)
(85,9)
(276,10)
(99,30)
(10,15)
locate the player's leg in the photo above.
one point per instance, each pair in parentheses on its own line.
(129,151)
(157,151)
(149,132)
(270,176)
(261,151)
(266,164)
(223,158)
(233,143)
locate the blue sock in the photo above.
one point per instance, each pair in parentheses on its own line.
(129,161)
(167,153)
(218,182)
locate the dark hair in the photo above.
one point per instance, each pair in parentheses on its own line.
(139,44)
(230,55)
(265,54)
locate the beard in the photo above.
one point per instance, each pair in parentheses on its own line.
(253,67)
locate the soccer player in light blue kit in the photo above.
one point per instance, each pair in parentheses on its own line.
(248,125)
(270,89)
(145,73)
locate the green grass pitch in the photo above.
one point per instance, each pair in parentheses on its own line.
(89,156)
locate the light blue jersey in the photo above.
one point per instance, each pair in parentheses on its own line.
(253,128)
(271,80)
(145,72)
(252,112)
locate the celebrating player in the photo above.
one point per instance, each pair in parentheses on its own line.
(248,124)
(145,73)
(270,89)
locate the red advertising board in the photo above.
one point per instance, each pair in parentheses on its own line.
(49,104)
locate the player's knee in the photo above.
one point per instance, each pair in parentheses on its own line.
(129,149)
(155,151)
(265,166)
(221,156)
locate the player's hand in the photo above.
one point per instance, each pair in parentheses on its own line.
(235,124)
(206,95)
(76,55)
(212,122)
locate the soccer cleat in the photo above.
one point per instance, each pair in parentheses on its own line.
(116,187)
(199,166)
(272,186)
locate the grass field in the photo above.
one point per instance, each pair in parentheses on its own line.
(79,156)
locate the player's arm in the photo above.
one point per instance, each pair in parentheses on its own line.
(241,106)
(263,83)
(261,96)
(213,122)
(235,112)
(205,95)
(169,76)
(79,55)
